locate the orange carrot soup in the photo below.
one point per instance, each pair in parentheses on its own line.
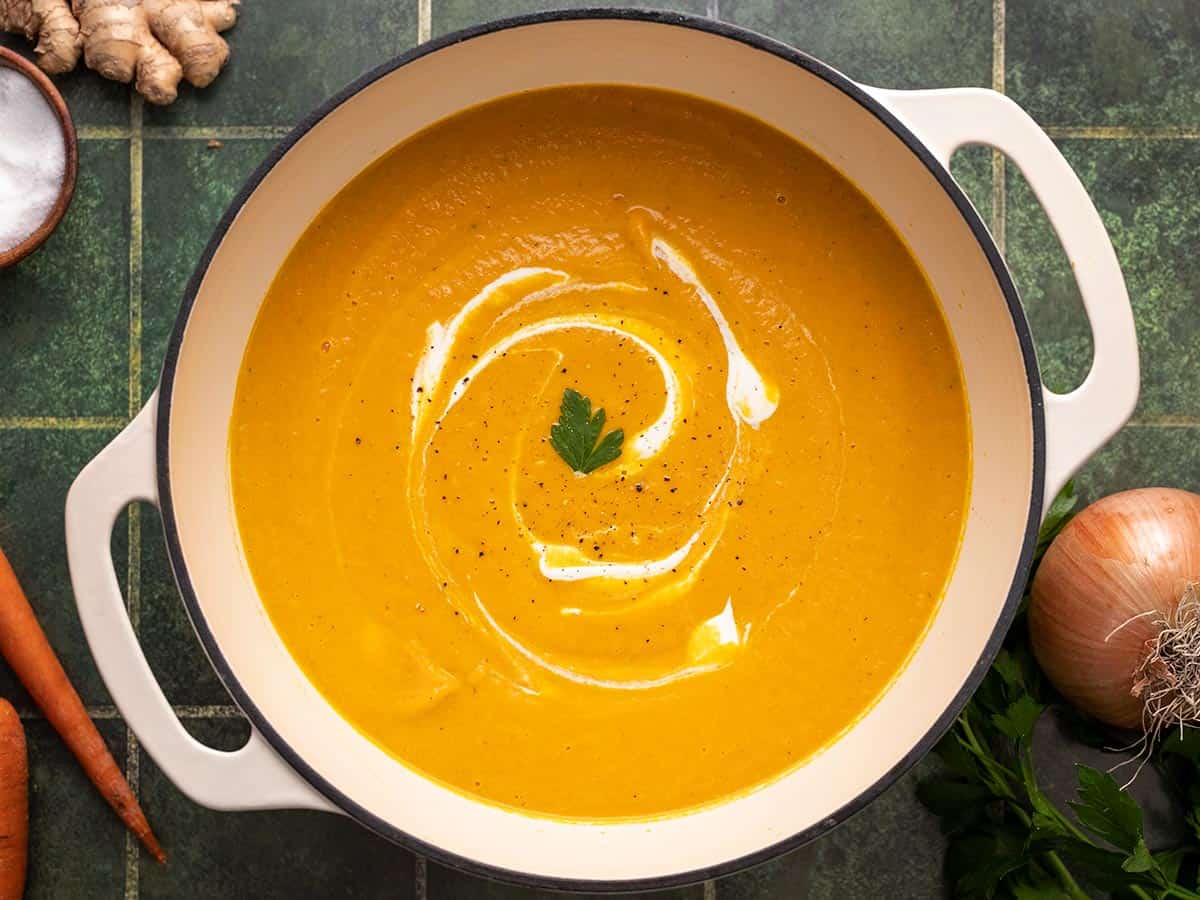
(601,452)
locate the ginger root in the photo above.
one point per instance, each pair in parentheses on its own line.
(154,43)
(51,23)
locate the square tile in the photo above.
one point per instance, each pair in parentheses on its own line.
(93,100)
(1141,456)
(1105,62)
(36,469)
(76,842)
(168,639)
(451,15)
(445,883)
(1146,191)
(188,186)
(64,311)
(892,848)
(887,43)
(263,854)
(289,56)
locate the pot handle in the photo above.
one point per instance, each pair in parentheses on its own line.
(1078,423)
(252,777)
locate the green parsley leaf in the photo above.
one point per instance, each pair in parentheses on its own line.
(576,435)
(1140,859)
(1018,720)
(979,861)
(1169,863)
(1008,667)
(958,803)
(1106,810)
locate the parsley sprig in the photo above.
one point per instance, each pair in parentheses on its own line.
(576,435)
(1007,838)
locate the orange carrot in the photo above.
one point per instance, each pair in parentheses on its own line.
(23,644)
(14,804)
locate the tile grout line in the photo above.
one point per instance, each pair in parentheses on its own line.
(1124,132)
(424,20)
(132,850)
(999,187)
(224,132)
(135,258)
(1166,421)
(420,878)
(61,423)
(184,132)
(134,549)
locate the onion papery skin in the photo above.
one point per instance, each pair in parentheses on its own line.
(1130,554)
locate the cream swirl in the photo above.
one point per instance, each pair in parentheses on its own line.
(482,331)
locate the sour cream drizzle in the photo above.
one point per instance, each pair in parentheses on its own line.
(751,400)
(746,393)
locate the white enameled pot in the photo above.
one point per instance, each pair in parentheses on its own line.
(896,146)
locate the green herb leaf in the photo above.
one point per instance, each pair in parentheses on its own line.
(979,861)
(1106,810)
(1170,862)
(576,435)
(1018,720)
(958,803)
(1096,866)
(1008,667)
(1140,859)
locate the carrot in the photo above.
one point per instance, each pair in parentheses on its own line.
(23,644)
(14,804)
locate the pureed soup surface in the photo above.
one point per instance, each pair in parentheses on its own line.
(685,622)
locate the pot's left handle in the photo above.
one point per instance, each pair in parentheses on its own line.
(1080,422)
(252,777)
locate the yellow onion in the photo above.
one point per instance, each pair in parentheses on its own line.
(1114,615)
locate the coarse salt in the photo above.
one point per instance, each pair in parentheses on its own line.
(33,157)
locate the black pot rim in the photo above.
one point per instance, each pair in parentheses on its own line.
(922,747)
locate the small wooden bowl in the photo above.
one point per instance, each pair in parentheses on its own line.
(15,254)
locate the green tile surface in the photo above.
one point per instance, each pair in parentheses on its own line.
(188,185)
(451,15)
(289,56)
(36,468)
(1147,192)
(66,337)
(83,324)
(1049,294)
(264,855)
(170,643)
(1105,62)
(890,43)
(890,849)
(76,843)
(972,169)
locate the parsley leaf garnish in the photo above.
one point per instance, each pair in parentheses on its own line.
(576,435)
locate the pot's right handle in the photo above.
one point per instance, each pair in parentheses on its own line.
(252,777)
(1078,423)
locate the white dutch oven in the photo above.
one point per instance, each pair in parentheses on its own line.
(895,145)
